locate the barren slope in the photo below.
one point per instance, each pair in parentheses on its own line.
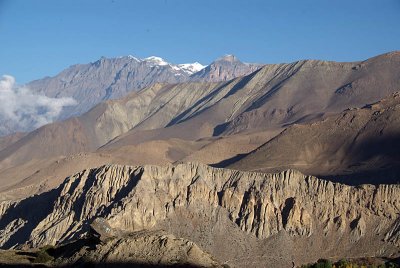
(356,145)
(279,95)
(154,106)
(38,175)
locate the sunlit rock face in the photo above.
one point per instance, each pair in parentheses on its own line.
(259,205)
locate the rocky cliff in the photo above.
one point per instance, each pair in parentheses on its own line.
(229,213)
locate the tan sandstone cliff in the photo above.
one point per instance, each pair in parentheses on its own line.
(226,212)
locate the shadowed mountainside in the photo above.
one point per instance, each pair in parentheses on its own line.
(355,146)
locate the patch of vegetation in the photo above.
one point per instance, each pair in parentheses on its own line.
(322,263)
(44,255)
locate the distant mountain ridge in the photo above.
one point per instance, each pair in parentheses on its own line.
(112,78)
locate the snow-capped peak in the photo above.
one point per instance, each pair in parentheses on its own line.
(156,60)
(191,68)
(133,58)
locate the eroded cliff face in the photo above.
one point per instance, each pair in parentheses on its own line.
(261,205)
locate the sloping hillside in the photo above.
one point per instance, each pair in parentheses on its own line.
(357,145)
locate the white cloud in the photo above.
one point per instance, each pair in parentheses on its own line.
(23,110)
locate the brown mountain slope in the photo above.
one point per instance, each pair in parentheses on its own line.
(358,143)
(10,139)
(61,138)
(154,106)
(279,95)
(43,173)
(38,175)
(223,150)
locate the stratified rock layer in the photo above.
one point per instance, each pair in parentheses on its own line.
(262,206)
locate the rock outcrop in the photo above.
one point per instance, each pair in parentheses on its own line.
(393,234)
(101,231)
(146,248)
(259,205)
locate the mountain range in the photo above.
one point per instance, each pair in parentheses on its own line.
(113,78)
(269,99)
(280,156)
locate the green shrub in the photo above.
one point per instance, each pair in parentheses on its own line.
(322,263)
(342,263)
(43,256)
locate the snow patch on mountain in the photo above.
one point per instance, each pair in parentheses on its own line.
(156,61)
(191,68)
(133,58)
(188,68)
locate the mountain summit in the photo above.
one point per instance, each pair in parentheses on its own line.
(228,58)
(225,68)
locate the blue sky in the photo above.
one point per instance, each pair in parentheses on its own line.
(42,37)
